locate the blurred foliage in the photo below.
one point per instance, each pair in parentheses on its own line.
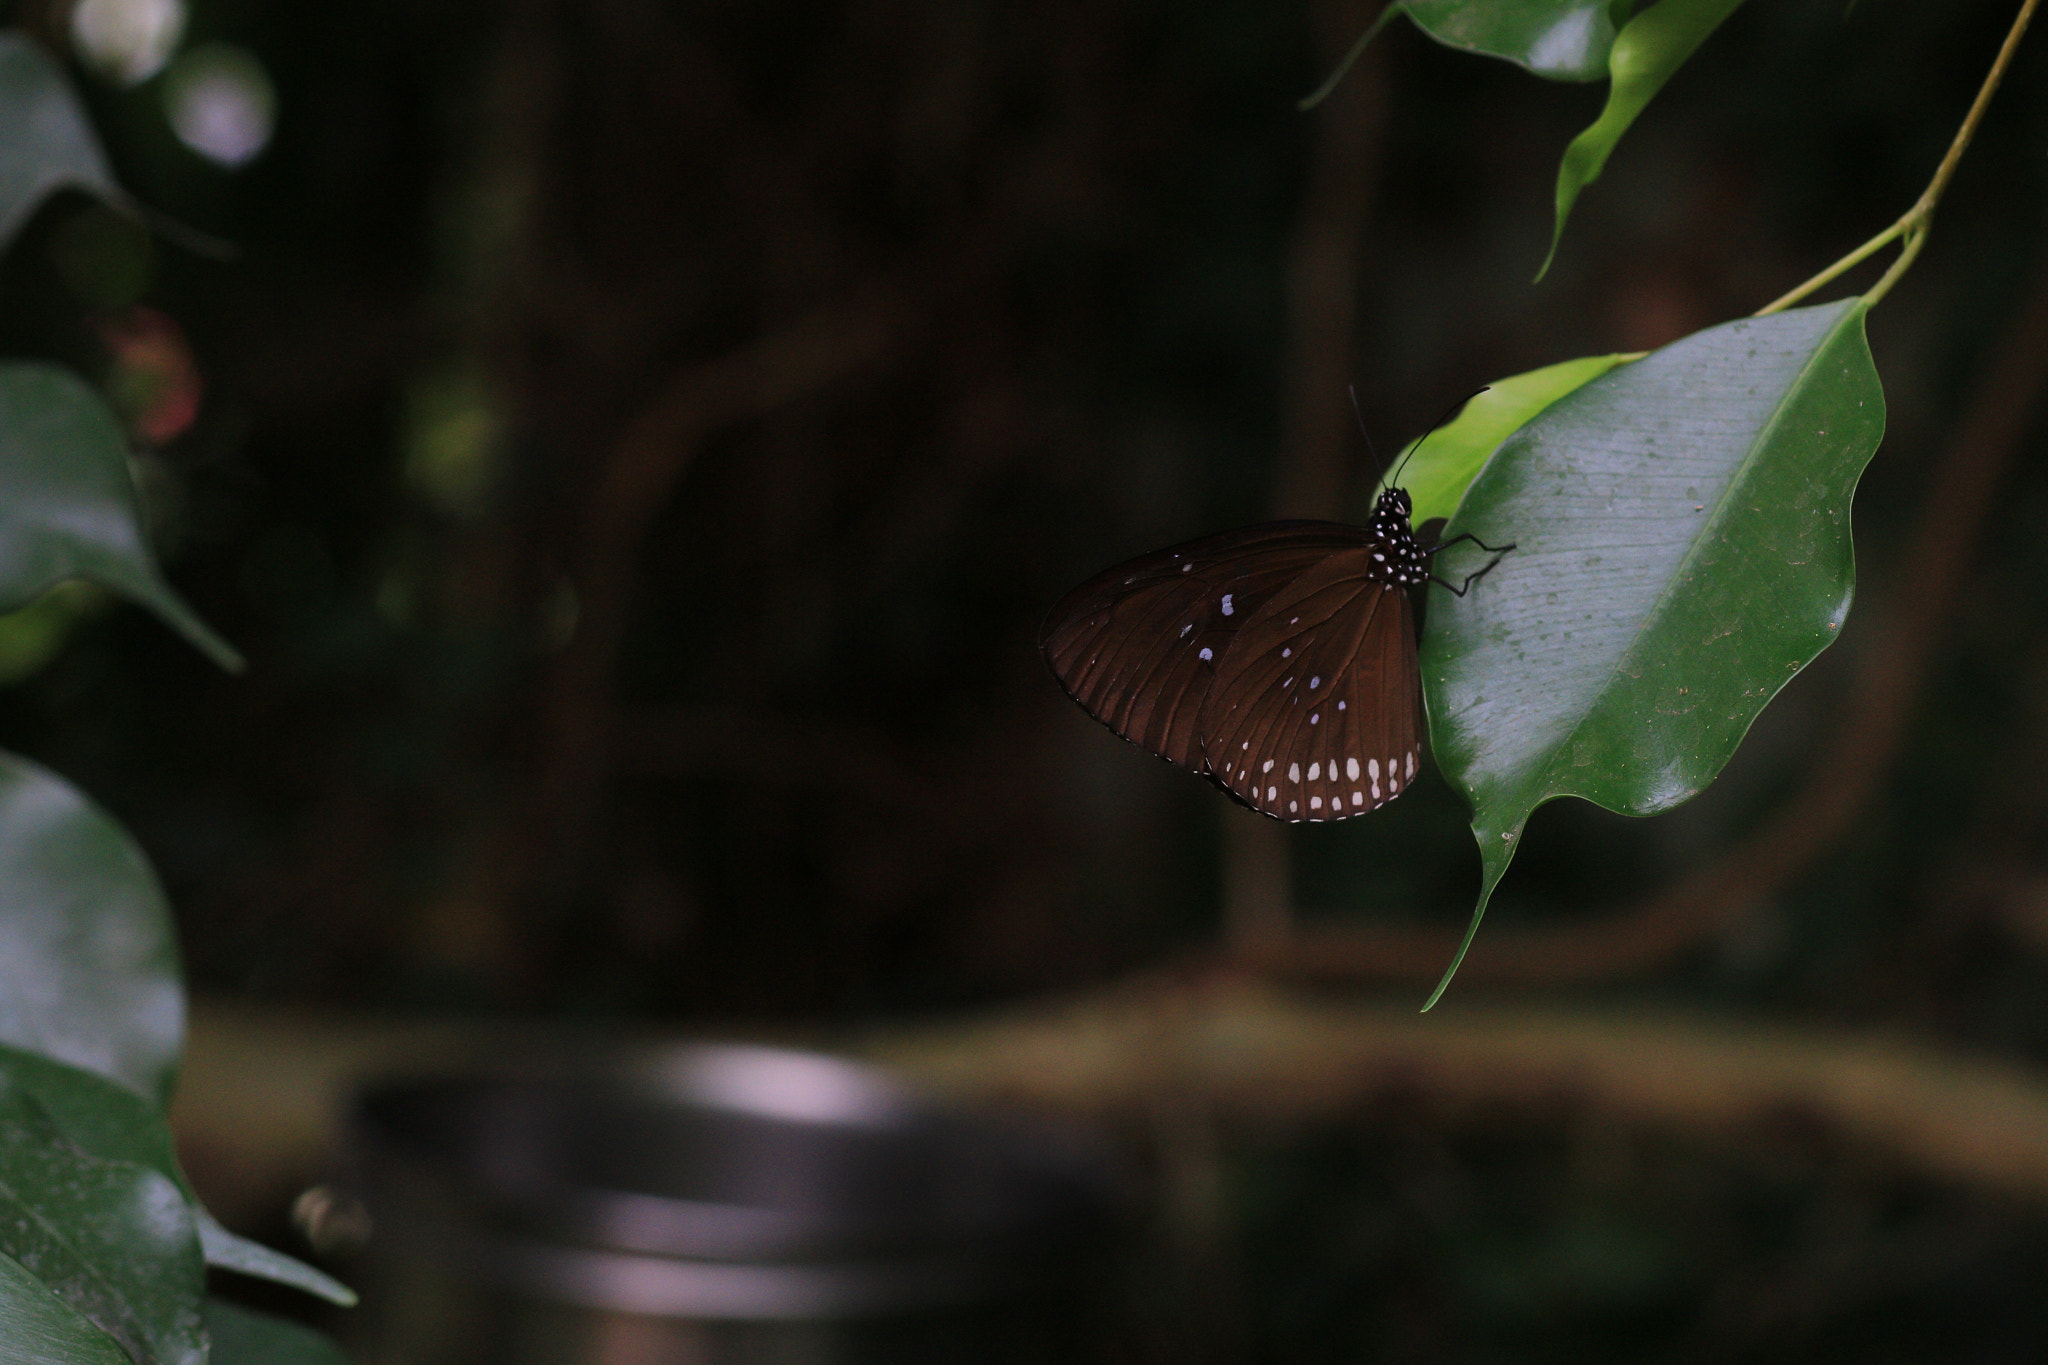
(771,740)
(1384,1239)
(809,763)
(104,1247)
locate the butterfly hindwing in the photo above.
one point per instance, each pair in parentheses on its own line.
(1315,713)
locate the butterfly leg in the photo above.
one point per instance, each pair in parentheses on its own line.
(1499,552)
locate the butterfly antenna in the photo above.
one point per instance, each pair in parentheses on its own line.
(1439,424)
(1359,416)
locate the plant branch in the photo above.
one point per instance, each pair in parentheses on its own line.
(1911,228)
(1260,1056)
(2011,389)
(260,1084)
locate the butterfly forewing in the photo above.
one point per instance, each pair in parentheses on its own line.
(1138,645)
(1315,711)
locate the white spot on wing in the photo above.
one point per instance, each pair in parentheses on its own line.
(1314,770)
(1314,716)
(1207,654)
(1351,768)
(1358,798)
(1268,767)
(1227,607)
(1315,803)
(1294,772)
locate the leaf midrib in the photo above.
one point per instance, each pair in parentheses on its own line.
(1716,517)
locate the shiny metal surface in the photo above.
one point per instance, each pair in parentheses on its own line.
(720,1182)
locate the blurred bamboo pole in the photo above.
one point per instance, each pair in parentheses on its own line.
(1320,452)
(263,1090)
(1277,1059)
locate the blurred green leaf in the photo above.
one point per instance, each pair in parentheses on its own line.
(98,1116)
(45,142)
(67,503)
(1561,40)
(1450,457)
(1589,1258)
(244,1337)
(1683,549)
(32,636)
(114,1239)
(88,965)
(228,1251)
(113,1123)
(39,1328)
(1649,48)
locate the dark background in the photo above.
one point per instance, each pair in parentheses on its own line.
(639,442)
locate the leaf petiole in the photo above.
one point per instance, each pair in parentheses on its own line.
(1911,229)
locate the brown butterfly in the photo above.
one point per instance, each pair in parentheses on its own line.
(1278,660)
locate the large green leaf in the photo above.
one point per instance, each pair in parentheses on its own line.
(67,503)
(1649,48)
(45,142)
(1682,533)
(100,1117)
(1448,459)
(1562,40)
(114,1239)
(112,1122)
(244,1337)
(40,1328)
(88,965)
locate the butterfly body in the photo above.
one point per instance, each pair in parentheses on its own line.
(1277,660)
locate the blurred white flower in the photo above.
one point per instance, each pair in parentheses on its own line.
(130,40)
(221,103)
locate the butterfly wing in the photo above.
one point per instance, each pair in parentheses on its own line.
(1139,645)
(1316,711)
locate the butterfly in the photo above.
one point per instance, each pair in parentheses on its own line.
(1277,660)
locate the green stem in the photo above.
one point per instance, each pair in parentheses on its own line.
(1847,263)
(1911,229)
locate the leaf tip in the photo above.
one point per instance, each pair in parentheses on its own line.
(224,655)
(1322,92)
(157,595)
(1556,236)
(1495,864)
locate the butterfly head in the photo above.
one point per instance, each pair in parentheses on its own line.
(1393,503)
